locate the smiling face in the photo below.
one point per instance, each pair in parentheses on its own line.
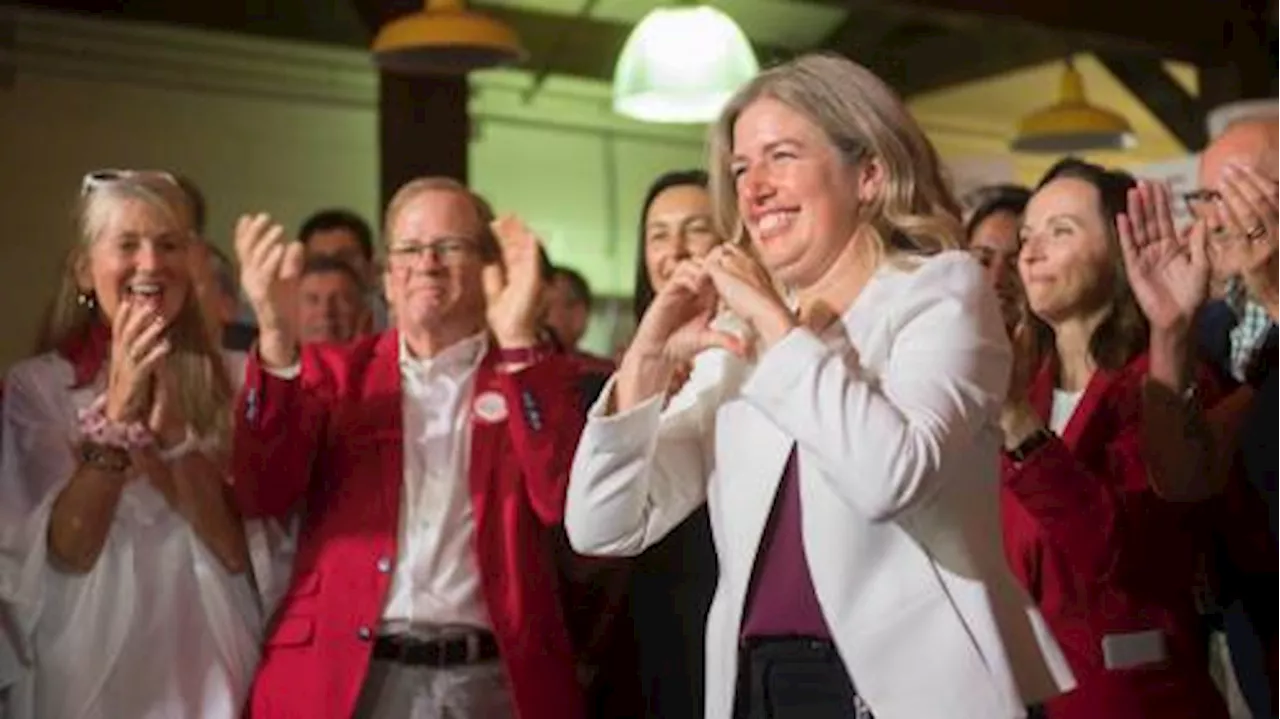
(1067,258)
(677,226)
(798,198)
(137,250)
(433,275)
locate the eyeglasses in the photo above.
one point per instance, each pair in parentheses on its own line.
(1202,204)
(1199,200)
(100,178)
(446,251)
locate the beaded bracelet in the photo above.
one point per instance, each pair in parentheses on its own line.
(97,428)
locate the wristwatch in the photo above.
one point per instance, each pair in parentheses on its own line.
(1026,447)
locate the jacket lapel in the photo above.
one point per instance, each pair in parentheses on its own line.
(1085,411)
(382,401)
(760,463)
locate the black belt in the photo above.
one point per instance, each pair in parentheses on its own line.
(471,648)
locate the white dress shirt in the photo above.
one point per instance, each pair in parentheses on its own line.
(157,628)
(437,575)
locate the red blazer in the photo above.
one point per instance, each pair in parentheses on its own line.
(1102,554)
(334,438)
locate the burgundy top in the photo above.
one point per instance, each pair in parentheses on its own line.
(781,600)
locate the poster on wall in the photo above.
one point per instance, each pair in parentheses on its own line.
(1181,176)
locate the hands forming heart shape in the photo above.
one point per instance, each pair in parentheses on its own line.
(679,324)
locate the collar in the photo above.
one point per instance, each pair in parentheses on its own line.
(1236,296)
(87,350)
(463,354)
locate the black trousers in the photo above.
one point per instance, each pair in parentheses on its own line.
(794,678)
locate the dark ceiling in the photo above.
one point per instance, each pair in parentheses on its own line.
(916,45)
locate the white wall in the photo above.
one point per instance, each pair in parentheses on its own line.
(288,128)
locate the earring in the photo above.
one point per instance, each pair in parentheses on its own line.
(87,300)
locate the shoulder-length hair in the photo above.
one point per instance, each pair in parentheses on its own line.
(204,387)
(1123,333)
(644,283)
(863,119)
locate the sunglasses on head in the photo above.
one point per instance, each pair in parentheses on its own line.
(101,178)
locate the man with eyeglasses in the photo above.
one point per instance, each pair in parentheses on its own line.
(1237,200)
(432,459)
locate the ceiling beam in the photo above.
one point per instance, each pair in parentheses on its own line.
(8,71)
(321,21)
(1144,75)
(950,58)
(1192,34)
(863,31)
(1251,72)
(917,51)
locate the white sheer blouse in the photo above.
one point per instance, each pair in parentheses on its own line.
(158,628)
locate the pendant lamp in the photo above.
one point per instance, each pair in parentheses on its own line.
(445,38)
(1072,124)
(681,64)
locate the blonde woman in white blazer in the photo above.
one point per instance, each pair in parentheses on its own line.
(845,439)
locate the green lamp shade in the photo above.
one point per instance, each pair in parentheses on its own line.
(681,65)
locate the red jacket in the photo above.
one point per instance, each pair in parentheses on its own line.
(1102,554)
(334,438)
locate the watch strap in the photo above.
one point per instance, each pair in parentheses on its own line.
(1029,445)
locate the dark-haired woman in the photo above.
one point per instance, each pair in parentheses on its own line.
(673,581)
(1109,562)
(991,236)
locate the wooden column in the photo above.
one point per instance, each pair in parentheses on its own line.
(423,128)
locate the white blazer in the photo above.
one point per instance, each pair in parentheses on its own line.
(894,413)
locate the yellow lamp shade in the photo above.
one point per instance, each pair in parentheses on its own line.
(445,38)
(1072,124)
(681,65)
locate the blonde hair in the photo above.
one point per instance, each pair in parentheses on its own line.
(204,388)
(863,119)
(413,188)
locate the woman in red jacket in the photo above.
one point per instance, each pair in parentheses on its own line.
(1111,564)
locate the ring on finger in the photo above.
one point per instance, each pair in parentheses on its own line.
(1256,232)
